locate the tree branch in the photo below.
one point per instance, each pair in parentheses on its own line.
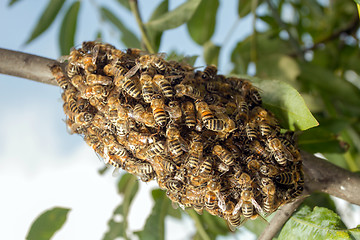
(320,175)
(27,66)
(280,218)
(323,176)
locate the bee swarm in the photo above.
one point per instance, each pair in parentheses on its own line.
(205,138)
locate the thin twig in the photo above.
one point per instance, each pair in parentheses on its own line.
(27,66)
(253,49)
(199,226)
(280,218)
(292,40)
(135,10)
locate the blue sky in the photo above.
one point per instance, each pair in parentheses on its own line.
(42,165)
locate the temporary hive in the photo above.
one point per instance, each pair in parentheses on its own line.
(204,137)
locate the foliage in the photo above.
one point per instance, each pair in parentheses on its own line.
(306,66)
(46,225)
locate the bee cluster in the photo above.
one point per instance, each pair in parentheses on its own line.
(204,137)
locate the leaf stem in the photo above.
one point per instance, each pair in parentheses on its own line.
(135,10)
(198,224)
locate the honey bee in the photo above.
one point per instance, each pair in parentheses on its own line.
(228,127)
(268,187)
(268,170)
(223,154)
(156,148)
(242,111)
(146,61)
(250,130)
(157,106)
(174,111)
(252,92)
(174,140)
(72,70)
(73,107)
(87,64)
(60,77)
(205,167)
(233,220)
(253,164)
(187,90)
(164,86)
(210,200)
(256,147)
(293,193)
(79,82)
(209,72)
(216,125)
(195,153)
(218,87)
(204,111)
(94,79)
(100,122)
(247,203)
(235,151)
(173,185)
(189,113)
(264,117)
(214,186)
(138,140)
(242,179)
(112,69)
(287,178)
(139,114)
(81,120)
(96,91)
(112,146)
(129,85)
(281,154)
(147,87)
(100,50)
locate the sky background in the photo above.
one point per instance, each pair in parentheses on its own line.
(42,165)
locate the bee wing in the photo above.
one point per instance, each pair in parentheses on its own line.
(132,71)
(221,202)
(256,205)
(237,207)
(230,226)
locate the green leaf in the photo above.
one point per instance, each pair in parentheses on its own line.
(45,226)
(68,28)
(321,223)
(286,103)
(46,19)
(127,37)
(205,15)
(154,35)
(176,17)
(278,66)
(154,228)
(211,226)
(174,56)
(319,139)
(211,53)
(125,4)
(320,200)
(256,226)
(357,1)
(12,2)
(244,7)
(128,187)
(329,84)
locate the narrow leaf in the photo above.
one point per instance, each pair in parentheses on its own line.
(319,139)
(47,224)
(127,187)
(202,24)
(244,8)
(211,53)
(286,103)
(125,4)
(329,84)
(68,28)
(320,223)
(46,19)
(176,17)
(154,35)
(12,2)
(181,58)
(127,37)
(154,228)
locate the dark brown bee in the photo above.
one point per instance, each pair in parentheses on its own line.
(209,72)
(157,106)
(60,77)
(188,109)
